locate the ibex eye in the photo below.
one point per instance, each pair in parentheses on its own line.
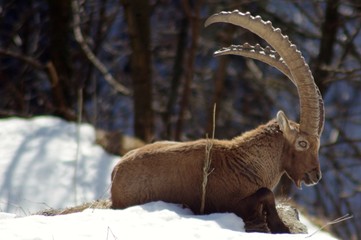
(302,144)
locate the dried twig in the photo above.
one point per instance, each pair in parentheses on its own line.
(337,220)
(77,156)
(109,230)
(90,55)
(207,163)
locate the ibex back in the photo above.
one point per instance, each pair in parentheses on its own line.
(243,170)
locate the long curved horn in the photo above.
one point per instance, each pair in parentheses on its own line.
(272,58)
(311,103)
(266,55)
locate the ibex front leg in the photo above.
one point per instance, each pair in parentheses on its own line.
(259,213)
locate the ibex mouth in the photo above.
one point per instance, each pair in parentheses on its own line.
(312,178)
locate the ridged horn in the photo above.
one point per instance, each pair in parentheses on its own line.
(266,55)
(311,103)
(272,58)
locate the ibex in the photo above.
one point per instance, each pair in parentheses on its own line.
(243,170)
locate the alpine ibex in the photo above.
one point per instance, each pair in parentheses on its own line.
(245,169)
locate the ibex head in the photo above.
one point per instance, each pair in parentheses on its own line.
(302,150)
(302,140)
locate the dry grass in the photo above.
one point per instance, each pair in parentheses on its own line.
(98,204)
(207,163)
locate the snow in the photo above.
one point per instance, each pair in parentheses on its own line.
(37,163)
(39,155)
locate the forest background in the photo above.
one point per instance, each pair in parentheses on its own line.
(145,69)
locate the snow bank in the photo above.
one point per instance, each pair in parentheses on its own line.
(157,220)
(37,165)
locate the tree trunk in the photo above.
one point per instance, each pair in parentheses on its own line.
(329,29)
(193,15)
(225,39)
(176,77)
(137,15)
(59,33)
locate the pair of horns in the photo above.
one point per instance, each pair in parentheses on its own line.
(285,57)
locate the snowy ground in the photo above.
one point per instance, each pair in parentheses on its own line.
(37,159)
(37,165)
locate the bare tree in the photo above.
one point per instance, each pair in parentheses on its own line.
(137,15)
(193,15)
(64,89)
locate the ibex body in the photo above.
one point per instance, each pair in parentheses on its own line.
(243,170)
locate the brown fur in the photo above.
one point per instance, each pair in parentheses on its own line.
(172,171)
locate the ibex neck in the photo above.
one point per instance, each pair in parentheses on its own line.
(260,150)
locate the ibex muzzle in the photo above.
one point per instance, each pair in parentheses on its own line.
(245,169)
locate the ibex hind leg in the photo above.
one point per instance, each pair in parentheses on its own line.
(260,215)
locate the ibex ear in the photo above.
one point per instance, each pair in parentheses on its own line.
(283,123)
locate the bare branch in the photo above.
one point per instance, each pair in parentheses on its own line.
(91,56)
(338,220)
(31,61)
